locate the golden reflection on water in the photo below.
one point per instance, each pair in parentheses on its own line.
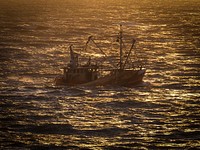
(163,112)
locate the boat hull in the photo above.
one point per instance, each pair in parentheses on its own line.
(119,77)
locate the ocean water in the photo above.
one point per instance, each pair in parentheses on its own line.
(163,112)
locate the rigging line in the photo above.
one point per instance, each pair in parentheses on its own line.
(124,45)
(125,50)
(99,48)
(135,56)
(86,44)
(105,57)
(129,53)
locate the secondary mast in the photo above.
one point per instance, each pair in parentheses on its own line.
(120,42)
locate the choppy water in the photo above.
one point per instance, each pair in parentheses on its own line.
(161,113)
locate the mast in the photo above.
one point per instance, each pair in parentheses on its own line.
(120,42)
(73,58)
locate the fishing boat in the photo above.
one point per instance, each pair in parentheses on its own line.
(92,73)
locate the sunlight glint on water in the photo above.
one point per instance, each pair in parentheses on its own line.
(161,113)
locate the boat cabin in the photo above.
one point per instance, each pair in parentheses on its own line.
(78,74)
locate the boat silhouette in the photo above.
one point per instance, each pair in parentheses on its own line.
(90,74)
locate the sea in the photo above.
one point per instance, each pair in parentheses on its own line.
(163,112)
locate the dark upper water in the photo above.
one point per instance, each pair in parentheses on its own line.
(161,113)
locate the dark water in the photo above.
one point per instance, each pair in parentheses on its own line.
(161,113)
